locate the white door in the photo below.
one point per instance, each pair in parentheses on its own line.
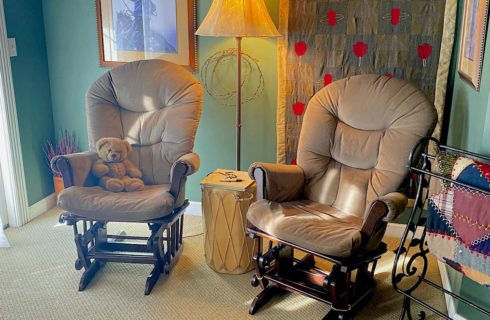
(3,205)
(13,195)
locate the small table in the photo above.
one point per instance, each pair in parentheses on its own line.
(227,248)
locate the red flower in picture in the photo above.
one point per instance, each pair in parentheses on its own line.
(327,79)
(360,50)
(395,16)
(332,18)
(424,50)
(298,108)
(300,48)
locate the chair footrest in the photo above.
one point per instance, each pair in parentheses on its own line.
(122,247)
(111,256)
(300,287)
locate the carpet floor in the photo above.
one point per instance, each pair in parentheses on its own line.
(38,281)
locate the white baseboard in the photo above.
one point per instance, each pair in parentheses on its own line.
(194,208)
(42,206)
(4,243)
(451,303)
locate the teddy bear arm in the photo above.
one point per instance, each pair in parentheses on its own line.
(132,170)
(100,168)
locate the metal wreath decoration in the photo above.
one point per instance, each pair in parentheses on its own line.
(215,71)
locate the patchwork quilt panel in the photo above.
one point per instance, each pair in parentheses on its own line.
(458,225)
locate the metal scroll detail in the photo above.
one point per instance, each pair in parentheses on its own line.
(411,262)
(410,268)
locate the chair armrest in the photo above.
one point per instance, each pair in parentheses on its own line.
(76,168)
(190,160)
(277,182)
(384,209)
(184,166)
(396,203)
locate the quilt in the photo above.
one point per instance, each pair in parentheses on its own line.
(458,224)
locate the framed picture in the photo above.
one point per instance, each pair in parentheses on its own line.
(131,30)
(472,43)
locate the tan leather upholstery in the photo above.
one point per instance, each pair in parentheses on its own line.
(395,202)
(97,204)
(285,182)
(324,228)
(156,106)
(354,145)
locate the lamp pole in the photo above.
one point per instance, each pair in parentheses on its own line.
(238,18)
(238,100)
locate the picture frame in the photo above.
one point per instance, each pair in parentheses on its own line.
(131,30)
(472,42)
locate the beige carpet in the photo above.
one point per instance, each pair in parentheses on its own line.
(38,281)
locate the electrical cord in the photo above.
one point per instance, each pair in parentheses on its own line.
(193,235)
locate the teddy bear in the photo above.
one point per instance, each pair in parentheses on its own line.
(115,171)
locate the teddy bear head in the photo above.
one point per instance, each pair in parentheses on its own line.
(112,149)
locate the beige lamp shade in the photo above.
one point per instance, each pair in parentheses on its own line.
(238,18)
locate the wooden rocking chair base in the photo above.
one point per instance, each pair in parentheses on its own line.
(277,271)
(95,247)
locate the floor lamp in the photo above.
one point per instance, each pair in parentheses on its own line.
(238,19)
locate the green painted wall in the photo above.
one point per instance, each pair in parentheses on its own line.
(469,128)
(71,39)
(73,58)
(32,91)
(216,135)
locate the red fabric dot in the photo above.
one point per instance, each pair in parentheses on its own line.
(360,49)
(332,18)
(298,108)
(327,79)
(389,75)
(425,50)
(293,162)
(395,16)
(300,48)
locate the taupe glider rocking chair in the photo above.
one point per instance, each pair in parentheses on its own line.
(156,106)
(335,204)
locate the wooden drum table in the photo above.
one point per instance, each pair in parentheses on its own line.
(225,202)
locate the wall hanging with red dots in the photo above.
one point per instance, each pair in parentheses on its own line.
(328,40)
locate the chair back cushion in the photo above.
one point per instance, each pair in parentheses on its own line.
(155,105)
(356,137)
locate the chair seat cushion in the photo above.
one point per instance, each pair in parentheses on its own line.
(319,228)
(96,203)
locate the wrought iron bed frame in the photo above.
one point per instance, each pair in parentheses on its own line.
(421,168)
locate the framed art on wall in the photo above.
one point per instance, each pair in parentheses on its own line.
(131,30)
(472,42)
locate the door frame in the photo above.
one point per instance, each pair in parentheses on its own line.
(10,149)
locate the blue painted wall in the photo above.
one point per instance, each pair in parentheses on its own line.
(24,21)
(72,46)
